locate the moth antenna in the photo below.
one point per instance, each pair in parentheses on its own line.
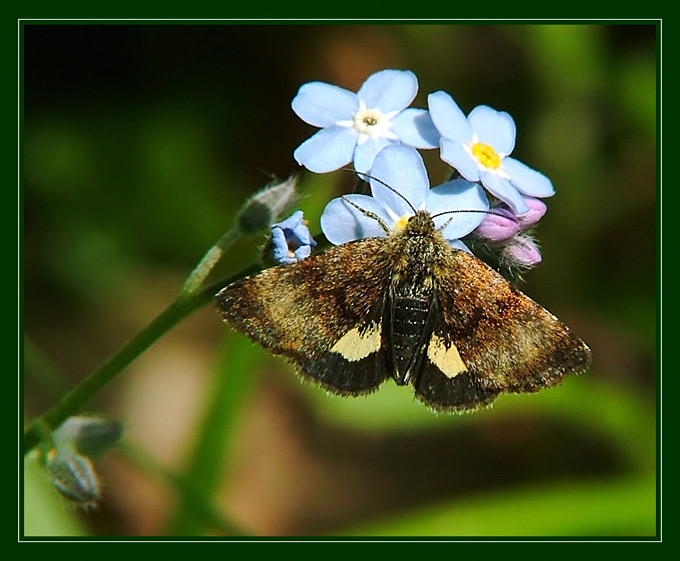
(462,211)
(445,224)
(370,214)
(368,176)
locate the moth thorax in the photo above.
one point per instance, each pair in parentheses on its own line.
(417,255)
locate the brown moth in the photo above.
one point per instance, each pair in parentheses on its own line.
(409,307)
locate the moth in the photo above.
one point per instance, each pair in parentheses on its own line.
(407,307)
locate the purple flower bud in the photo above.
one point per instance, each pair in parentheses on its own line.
(537,209)
(498,226)
(291,239)
(522,251)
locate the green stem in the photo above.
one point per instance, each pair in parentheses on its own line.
(168,318)
(206,264)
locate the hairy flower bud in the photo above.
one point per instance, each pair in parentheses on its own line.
(266,207)
(74,477)
(522,252)
(88,436)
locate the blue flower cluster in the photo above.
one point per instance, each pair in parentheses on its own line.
(377,131)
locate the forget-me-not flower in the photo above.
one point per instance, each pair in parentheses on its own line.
(479,145)
(291,239)
(402,168)
(356,126)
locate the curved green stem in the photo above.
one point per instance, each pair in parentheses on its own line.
(70,404)
(207,262)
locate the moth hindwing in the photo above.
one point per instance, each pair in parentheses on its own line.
(408,307)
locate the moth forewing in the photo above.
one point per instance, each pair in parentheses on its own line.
(323,313)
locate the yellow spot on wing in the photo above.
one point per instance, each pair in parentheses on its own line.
(355,345)
(446,359)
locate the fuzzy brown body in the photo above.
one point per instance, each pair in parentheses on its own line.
(408,307)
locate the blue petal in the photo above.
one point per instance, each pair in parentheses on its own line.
(503,189)
(454,154)
(303,251)
(300,236)
(289,235)
(527,180)
(448,118)
(389,90)
(280,246)
(402,168)
(457,244)
(323,105)
(365,152)
(495,128)
(328,150)
(290,223)
(457,195)
(342,223)
(304,236)
(415,128)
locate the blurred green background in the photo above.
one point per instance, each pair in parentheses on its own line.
(142,141)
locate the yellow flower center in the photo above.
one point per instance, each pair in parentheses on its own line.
(401,222)
(486,155)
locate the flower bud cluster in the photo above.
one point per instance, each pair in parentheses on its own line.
(69,453)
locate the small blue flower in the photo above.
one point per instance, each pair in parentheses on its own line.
(479,145)
(356,126)
(402,168)
(291,239)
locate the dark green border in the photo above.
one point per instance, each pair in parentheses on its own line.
(66,16)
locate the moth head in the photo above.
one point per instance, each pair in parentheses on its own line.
(415,222)
(420,223)
(410,222)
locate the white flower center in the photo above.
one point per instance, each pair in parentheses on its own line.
(372,122)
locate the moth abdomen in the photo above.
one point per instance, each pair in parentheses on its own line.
(408,331)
